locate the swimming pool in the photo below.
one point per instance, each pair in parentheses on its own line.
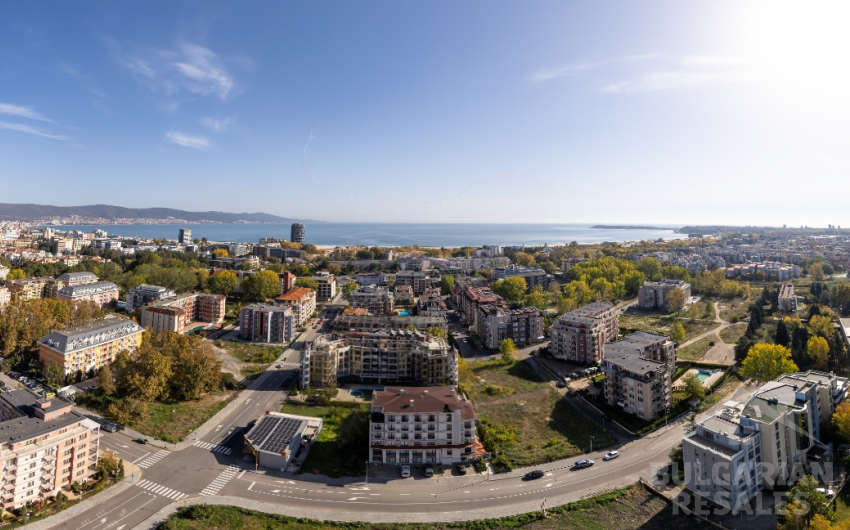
(703,375)
(404,313)
(364,392)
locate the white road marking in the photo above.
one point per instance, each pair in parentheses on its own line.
(141,457)
(251,486)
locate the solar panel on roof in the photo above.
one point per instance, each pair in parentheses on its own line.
(273,433)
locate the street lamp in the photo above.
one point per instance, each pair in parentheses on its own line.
(591,444)
(367,471)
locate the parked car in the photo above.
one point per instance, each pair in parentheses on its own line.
(560,384)
(143,441)
(611,455)
(405,471)
(429,471)
(461,469)
(110,427)
(581,464)
(827,492)
(534,475)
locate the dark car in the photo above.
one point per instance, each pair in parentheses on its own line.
(142,441)
(533,475)
(461,469)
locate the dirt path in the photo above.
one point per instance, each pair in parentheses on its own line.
(228,362)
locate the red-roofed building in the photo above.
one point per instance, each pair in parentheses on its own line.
(301,300)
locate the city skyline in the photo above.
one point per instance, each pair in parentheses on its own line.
(721,113)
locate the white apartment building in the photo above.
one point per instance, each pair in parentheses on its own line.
(767,442)
(653,295)
(432,425)
(5,296)
(4,271)
(301,300)
(418,280)
(373,298)
(101,293)
(787,298)
(144,294)
(326,288)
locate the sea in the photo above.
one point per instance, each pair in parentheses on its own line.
(396,234)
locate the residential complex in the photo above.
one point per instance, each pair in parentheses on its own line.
(301,300)
(373,298)
(326,288)
(371,278)
(765,270)
(5,296)
(471,298)
(422,426)
(533,276)
(29,288)
(89,347)
(653,295)
(580,335)
(787,298)
(101,293)
(354,322)
(180,313)
(45,446)
(380,357)
(639,374)
(297,233)
(766,442)
(495,323)
(419,281)
(266,323)
(70,279)
(184,236)
(431,303)
(144,294)
(466,265)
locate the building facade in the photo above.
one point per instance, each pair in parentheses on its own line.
(5,296)
(431,303)
(184,236)
(70,279)
(580,335)
(179,313)
(533,276)
(432,425)
(302,302)
(29,288)
(639,374)
(496,323)
(653,295)
(144,294)
(89,347)
(326,286)
(787,298)
(373,298)
(419,281)
(354,322)
(101,293)
(298,233)
(266,323)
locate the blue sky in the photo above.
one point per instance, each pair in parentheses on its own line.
(632,112)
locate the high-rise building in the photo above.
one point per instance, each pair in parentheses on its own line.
(266,323)
(580,334)
(298,233)
(179,313)
(89,347)
(184,236)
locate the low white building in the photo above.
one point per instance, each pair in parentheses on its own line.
(277,440)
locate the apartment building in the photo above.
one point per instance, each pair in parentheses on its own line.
(463,283)
(89,347)
(365,322)
(298,233)
(653,295)
(5,296)
(580,335)
(301,300)
(394,356)
(266,323)
(179,313)
(496,323)
(287,281)
(45,447)
(403,295)
(639,374)
(101,293)
(466,265)
(766,442)
(418,280)
(29,288)
(432,425)
(533,276)
(431,303)
(474,297)
(787,298)
(70,279)
(373,298)
(569,263)
(184,236)
(4,271)
(144,294)
(371,278)
(326,286)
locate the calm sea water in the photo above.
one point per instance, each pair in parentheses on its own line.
(397,234)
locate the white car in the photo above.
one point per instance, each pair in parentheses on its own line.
(611,455)
(405,471)
(827,492)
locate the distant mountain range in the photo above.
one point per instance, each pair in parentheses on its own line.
(33,212)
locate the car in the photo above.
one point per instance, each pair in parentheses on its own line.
(110,427)
(278,366)
(405,471)
(143,441)
(429,471)
(464,340)
(827,492)
(581,464)
(611,455)
(461,469)
(534,475)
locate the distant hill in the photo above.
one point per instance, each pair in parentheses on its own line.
(31,212)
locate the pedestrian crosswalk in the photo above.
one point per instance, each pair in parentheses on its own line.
(287,365)
(222,480)
(215,448)
(159,489)
(152,459)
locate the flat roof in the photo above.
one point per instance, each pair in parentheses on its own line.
(274,432)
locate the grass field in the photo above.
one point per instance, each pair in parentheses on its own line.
(624,509)
(732,311)
(734,332)
(494,380)
(695,351)
(251,353)
(720,393)
(328,455)
(664,324)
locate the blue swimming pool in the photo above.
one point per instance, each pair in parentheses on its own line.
(364,392)
(404,313)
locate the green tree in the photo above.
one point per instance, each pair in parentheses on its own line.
(818,350)
(821,325)
(106,381)
(16,274)
(446,283)
(128,410)
(694,312)
(508,351)
(678,332)
(650,267)
(261,286)
(437,332)
(309,283)
(538,298)
(841,420)
(816,272)
(511,289)
(223,283)
(55,375)
(709,309)
(349,288)
(676,299)
(765,362)
(221,253)
(694,388)
(782,336)
(523,259)
(806,492)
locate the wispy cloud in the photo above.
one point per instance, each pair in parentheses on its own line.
(185,140)
(21,111)
(711,60)
(28,129)
(581,67)
(217,125)
(187,67)
(657,81)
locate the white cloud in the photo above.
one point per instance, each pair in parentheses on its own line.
(711,60)
(21,111)
(185,140)
(28,129)
(188,67)
(547,74)
(657,81)
(217,125)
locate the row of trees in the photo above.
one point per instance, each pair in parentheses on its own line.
(24,322)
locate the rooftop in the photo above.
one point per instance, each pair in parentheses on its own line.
(412,400)
(108,329)
(295,295)
(88,288)
(77,276)
(273,432)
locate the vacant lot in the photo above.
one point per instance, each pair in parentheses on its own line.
(625,509)
(489,380)
(341,449)
(630,323)
(734,332)
(248,352)
(696,350)
(733,311)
